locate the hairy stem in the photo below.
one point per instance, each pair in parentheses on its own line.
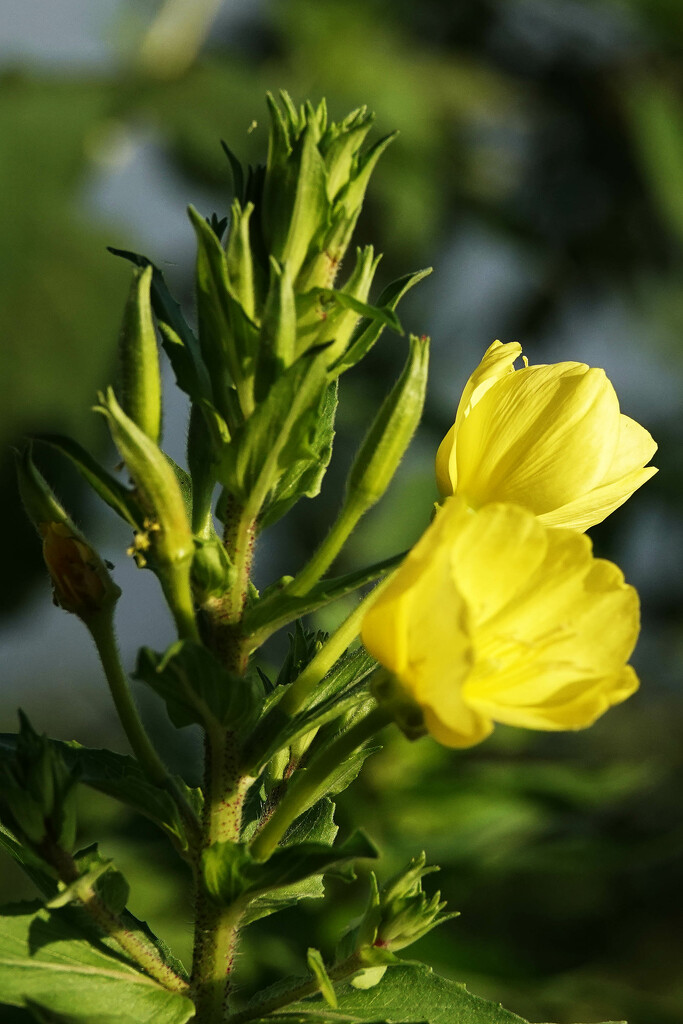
(133,945)
(328,550)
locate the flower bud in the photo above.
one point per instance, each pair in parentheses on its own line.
(140,390)
(168,538)
(82,584)
(399,913)
(385,443)
(37,793)
(550,438)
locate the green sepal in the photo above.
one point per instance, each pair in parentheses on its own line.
(200,462)
(276,608)
(183,351)
(198,689)
(316,966)
(32,865)
(140,378)
(108,488)
(236,171)
(230,872)
(369,329)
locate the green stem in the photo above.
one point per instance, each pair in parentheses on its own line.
(217,927)
(140,951)
(102,631)
(302,687)
(101,627)
(323,558)
(175,583)
(308,782)
(338,972)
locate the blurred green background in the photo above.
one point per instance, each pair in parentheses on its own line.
(539,169)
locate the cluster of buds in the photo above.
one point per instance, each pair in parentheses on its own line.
(397,915)
(38,793)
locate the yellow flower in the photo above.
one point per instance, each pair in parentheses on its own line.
(493,617)
(550,438)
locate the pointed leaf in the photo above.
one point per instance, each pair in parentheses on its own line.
(114,493)
(48,958)
(276,608)
(368,330)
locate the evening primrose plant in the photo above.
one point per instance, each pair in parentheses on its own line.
(499,614)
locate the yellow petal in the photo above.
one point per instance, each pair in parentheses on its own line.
(494,553)
(597,504)
(446,469)
(498,360)
(635,448)
(539,437)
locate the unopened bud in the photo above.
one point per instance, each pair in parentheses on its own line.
(81,581)
(167,537)
(140,390)
(389,436)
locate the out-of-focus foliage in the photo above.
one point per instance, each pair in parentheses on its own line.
(540,169)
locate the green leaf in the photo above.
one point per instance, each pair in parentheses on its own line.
(182,347)
(196,687)
(382,315)
(303,478)
(342,690)
(369,329)
(316,825)
(120,498)
(316,966)
(409,992)
(277,608)
(49,959)
(117,775)
(231,873)
(29,862)
(44,1015)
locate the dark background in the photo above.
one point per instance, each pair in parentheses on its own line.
(539,169)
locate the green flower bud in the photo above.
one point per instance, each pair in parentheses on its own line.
(399,913)
(140,390)
(37,792)
(167,539)
(82,584)
(385,443)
